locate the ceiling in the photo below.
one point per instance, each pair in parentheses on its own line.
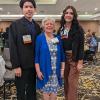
(87,9)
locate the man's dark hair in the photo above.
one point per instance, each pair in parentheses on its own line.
(23,1)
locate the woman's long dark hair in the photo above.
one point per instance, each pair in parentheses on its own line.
(63,22)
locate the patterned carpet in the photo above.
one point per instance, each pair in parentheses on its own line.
(88,89)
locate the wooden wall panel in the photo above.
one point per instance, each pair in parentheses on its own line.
(94,26)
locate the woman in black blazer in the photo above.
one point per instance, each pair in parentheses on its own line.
(72,36)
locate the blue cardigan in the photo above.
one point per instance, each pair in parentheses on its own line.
(43,58)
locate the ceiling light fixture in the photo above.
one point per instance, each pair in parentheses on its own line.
(95,19)
(8,13)
(1,9)
(95,8)
(40,17)
(86,13)
(46,1)
(75,0)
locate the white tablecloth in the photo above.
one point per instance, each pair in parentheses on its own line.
(2,70)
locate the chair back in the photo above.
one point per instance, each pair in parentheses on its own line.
(6,56)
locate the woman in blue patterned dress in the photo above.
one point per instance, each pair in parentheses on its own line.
(49,61)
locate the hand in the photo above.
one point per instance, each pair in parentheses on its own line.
(62,69)
(18,72)
(79,66)
(40,75)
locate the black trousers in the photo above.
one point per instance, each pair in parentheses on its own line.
(26,85)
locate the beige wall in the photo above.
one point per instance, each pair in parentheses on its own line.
(94,26)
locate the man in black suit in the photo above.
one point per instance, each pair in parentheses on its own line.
(22,35)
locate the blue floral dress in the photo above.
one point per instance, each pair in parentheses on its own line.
(52,85)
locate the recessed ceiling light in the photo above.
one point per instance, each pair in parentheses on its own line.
(75,0)
(95,19)
(1,9)
(95,8)
(86,13)
(46,1)
(8,13)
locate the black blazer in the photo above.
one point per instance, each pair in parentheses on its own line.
(77,38)
(78,44)
(21,55)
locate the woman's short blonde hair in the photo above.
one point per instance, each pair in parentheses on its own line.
(46,19)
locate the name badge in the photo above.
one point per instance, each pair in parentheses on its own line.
(64,34)
(27,39)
